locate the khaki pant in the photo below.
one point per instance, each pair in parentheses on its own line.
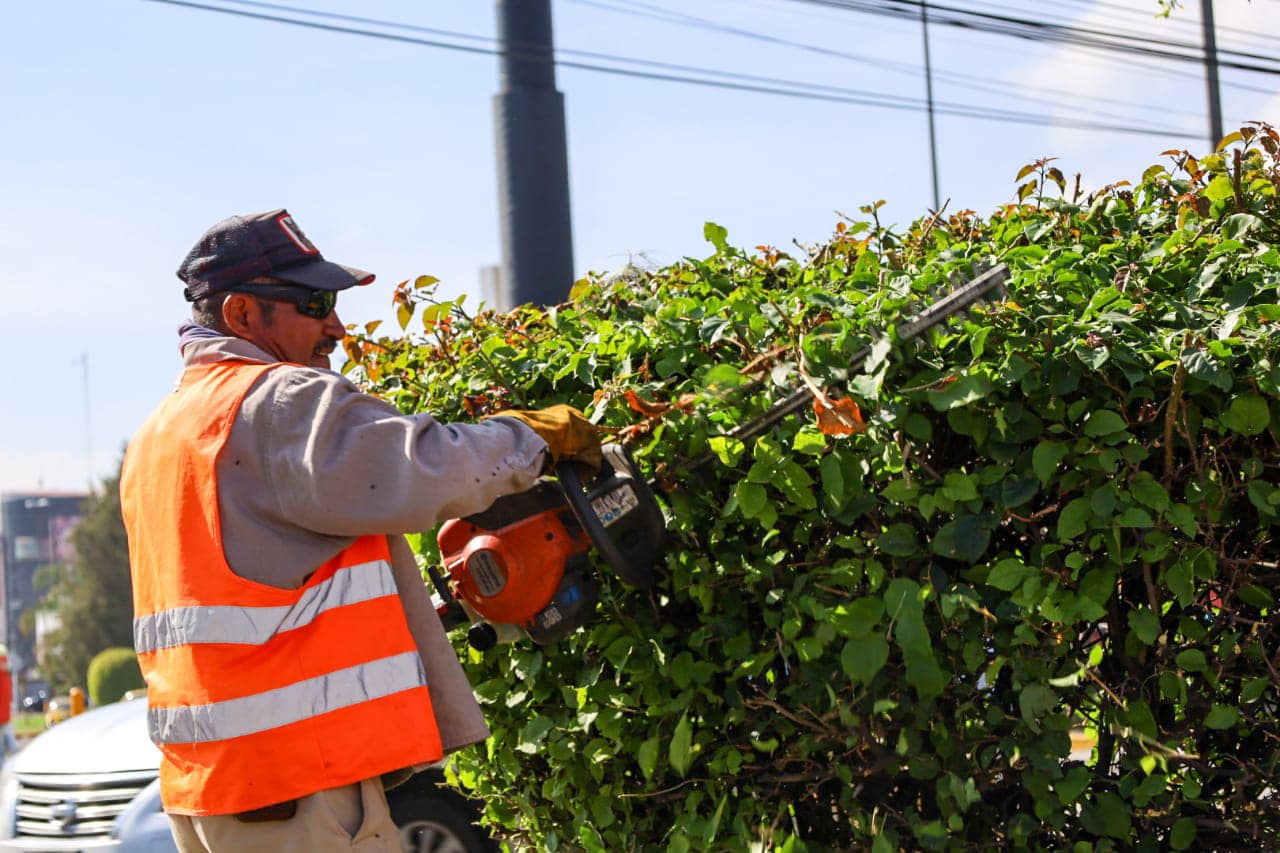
(354,817)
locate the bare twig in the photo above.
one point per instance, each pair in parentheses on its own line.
(1175,403)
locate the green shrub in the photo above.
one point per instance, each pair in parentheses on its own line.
(112,673)
(1061,514)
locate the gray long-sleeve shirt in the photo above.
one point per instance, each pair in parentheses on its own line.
(311,463)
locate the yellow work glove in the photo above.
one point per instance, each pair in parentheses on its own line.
(567,432)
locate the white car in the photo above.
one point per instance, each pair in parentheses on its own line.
(90,785)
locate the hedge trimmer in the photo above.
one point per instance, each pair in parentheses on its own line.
(521,567)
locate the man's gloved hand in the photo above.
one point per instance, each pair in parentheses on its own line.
(567,432)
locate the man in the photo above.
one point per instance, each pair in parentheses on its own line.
(292,655)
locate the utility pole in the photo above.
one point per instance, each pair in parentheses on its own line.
(1211,74)
(533,160)
(928,89)
(88,424)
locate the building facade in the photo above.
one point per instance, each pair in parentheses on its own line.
(35,531)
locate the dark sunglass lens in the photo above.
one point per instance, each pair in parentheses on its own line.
(318,303)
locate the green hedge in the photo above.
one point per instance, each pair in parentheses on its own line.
(1061,514)
(112,673)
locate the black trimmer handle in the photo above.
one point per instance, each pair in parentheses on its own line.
(579,494)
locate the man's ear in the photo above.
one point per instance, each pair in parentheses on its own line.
(241,314)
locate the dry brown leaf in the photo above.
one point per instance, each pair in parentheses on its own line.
(838,417)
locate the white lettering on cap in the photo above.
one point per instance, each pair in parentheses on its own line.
(295,234)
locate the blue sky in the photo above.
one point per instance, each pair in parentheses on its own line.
(131,126)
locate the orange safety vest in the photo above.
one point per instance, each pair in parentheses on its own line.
(257,695)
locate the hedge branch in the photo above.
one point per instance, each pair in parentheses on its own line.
(1175,403)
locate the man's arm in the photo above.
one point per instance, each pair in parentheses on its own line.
(341,462)
(311,463)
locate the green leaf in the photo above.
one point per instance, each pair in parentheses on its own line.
(1046,458)
(434,314)
(1257,596)
(1178,578)
(647,756)
(965,390)
(1074,518)
(1182,517)
(1015,493)
(1099,584)
(1183,834)
(601,813)
(965,538)
(534,733)
(721,377)
(1135,516)
(796,485)
(1264,496)
(1071,786)
(918,427)
(898,491)
(1035,701)
(884,844)
(1104,422)
(902,601)
(1191,660)
(1238,225)
(832,478)
(680,752)
(1253,691)
(809,441)
(1219,188)
(1203,366)
(716,236)
(1145,624)
(713,328)
(727,450)
(1009,574)
(1103,501)
(1248,414)
(863,657)
(959,486)
(752,498)
(1222,717)
(1113,815)
(898,541)
(1148,491)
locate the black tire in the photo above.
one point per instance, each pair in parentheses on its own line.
(435,819)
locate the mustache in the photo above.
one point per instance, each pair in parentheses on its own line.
(328,345)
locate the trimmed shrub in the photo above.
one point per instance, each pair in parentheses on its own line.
(112,673)
(1060,517)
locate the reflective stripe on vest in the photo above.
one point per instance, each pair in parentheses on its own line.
(280,707)
(254,626)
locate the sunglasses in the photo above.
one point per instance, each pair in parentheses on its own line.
(316,304)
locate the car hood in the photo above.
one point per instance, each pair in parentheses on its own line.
(107,739)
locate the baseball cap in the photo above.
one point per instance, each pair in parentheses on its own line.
(260,244)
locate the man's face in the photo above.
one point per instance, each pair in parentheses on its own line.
(284,331)
(302,339)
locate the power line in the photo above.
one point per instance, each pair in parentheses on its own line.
(799,87)
(970,81)
(1097,54)
(1102,49)
(1040,31)
(737,82)
(1172,20)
